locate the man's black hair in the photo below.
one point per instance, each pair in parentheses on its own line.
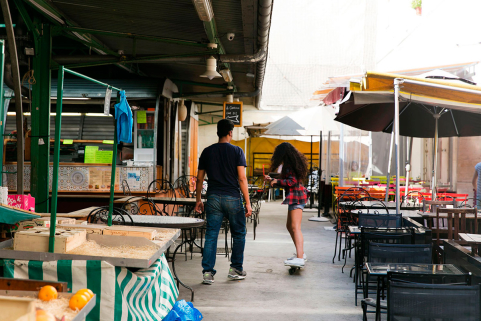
(224,126)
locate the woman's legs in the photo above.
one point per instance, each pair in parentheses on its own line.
(294,219)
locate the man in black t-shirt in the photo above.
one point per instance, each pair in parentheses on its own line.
(225,166)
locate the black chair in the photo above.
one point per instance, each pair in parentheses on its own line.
(100,216)
(380,220)
(344,217)
(400,253)
(392,253)
(164,188)
(373,221)
(416,301)
(368,235)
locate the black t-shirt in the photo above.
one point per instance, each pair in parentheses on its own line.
(220,162)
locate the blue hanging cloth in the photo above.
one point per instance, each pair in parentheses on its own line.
(123,114)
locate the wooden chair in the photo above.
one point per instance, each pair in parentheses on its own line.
(459,220)
(431,206)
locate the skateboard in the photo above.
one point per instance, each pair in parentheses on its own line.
(294,268)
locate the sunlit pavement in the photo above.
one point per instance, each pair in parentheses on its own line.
(318,292)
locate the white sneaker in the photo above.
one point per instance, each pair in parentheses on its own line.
(295,256)
(295,262)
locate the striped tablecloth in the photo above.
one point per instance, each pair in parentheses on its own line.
(147,294)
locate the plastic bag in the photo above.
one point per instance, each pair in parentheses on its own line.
(183,311)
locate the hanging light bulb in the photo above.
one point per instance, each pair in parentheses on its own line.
(211,69)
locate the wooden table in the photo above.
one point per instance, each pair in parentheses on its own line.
(76,214)
(442,215)
(128,199)
(472,239)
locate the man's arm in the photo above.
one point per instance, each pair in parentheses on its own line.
(199,206)
(241,173)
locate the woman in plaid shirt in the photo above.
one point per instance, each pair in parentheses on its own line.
(293,166)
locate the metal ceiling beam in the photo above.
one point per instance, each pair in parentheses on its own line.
(195,83)
(132,36)
(58,18)
(89,61)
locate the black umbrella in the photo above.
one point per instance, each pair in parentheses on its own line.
(373,112)
(415,119)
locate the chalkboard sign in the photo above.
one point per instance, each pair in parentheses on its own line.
(233,111)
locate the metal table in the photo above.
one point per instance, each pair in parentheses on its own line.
(354,229)
(381,269)
(405,213)
(185,223)
(376,205)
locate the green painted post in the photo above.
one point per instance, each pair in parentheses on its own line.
(114,165)
(2,107)
(40,154)
(56,159)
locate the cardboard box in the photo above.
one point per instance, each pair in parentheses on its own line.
(23,202)
(17,308)
(37,239)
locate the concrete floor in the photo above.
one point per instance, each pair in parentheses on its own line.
(319,292)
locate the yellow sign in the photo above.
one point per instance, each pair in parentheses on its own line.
(141,117)
(68,141)
(108,142)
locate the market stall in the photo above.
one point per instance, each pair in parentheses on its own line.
(104,259)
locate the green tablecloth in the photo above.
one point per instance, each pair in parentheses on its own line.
(147,294)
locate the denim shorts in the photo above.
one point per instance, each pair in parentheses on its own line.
(296,206)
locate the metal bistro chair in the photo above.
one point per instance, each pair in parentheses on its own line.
(343,216)
(392,253)
(386,236)
(416,301)
(412,198)
(369,220)
(165,189)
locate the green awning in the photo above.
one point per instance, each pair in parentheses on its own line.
(9,215)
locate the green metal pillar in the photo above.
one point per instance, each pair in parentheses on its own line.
(114,165)
(2,107)
(56,159)
(40,146)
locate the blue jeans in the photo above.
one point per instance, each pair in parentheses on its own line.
(217,207)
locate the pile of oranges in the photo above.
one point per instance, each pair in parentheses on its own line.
(49,293)
(80,299)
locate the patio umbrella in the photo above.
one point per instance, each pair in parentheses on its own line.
(428,108)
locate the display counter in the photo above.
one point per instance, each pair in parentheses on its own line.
(81,177)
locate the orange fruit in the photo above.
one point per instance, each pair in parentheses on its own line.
(78,301)
(47,293)
(43,315)
(87,292)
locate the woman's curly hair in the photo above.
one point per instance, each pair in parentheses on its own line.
(286,154)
